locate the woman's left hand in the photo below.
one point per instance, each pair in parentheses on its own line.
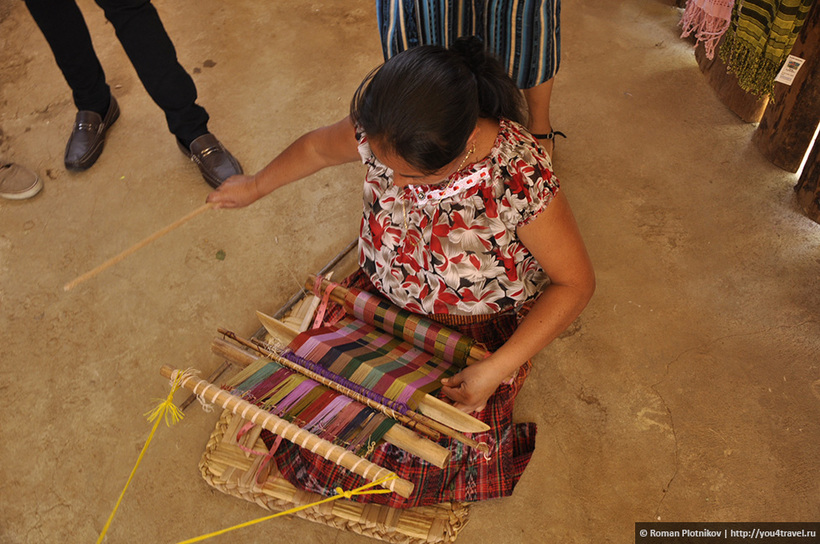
(470,388)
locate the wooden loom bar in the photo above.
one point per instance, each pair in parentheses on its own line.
(331,452)
(413,419)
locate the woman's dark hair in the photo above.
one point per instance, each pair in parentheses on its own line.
(424,102)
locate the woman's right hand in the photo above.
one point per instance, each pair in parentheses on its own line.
(235,192)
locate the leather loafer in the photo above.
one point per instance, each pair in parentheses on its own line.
(214,161)
(88,137)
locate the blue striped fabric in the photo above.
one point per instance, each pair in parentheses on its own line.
(524,34)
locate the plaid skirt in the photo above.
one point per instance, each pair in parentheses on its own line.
(525,35)
(468,477)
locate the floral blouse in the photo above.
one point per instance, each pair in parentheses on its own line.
(453,248)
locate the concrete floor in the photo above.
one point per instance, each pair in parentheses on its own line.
(688,390)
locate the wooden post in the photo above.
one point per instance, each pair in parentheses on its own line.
(808,186)
(745,105)
(788,124)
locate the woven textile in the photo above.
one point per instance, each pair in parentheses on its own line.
(525,35)
(374,359)
(423,333)
(708,20)
(760,37)
(468,477)
(329,415)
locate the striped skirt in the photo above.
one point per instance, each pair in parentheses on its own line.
(524,34)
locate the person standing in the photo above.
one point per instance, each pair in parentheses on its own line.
(148,46)
(525,35)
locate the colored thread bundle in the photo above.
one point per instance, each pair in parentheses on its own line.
(310,405)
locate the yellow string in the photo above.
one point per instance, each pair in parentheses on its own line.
(340,494)
(168,411)
(172,415)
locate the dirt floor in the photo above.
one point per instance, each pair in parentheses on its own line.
(688,390)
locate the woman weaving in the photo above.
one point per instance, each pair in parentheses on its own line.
(464,222)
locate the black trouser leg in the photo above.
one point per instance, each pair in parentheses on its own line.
(65,31)
(154,57)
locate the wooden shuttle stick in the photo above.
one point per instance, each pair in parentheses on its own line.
(291,432)
(117,258)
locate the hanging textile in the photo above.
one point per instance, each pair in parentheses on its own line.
(707,20)
(760,37)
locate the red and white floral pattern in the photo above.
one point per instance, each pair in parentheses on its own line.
(459,252)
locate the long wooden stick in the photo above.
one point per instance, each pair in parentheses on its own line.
(114,260)
(289,431)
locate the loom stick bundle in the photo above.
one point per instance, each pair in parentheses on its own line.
(289,431)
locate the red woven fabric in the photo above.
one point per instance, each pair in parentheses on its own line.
(469,477)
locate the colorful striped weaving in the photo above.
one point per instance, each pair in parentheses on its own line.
(376,360)
(425,334)
(386,354)
(313,407)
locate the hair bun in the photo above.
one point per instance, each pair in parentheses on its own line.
(471,49)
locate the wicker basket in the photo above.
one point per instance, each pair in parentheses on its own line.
(226,467)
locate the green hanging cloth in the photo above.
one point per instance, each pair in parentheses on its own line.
(760,38)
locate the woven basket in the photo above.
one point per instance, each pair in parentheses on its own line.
(228,468)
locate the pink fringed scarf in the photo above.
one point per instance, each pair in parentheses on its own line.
(708,20)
